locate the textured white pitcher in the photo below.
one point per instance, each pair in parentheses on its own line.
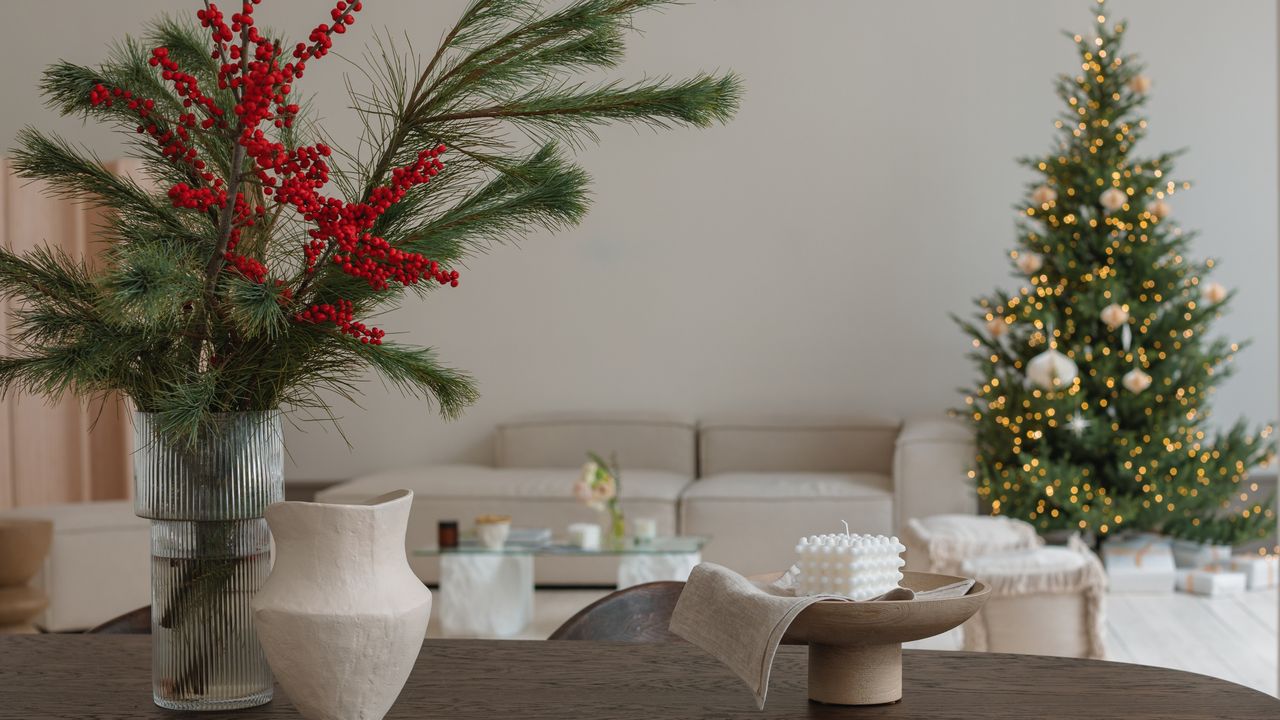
(342,617)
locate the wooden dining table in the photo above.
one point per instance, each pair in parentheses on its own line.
(108,677)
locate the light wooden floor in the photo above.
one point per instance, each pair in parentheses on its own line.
(1233,638)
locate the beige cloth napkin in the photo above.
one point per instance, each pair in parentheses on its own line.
(741,623)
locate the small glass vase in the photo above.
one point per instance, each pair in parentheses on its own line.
(210,552)
(617,526)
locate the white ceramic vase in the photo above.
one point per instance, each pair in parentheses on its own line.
(342,617)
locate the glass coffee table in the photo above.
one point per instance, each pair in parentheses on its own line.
(488,592)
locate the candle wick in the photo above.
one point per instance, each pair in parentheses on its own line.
(846,528)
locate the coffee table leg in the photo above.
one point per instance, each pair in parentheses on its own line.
(641,568)
(485,595)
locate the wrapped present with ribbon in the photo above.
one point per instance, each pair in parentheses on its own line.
(1212,580)
(1192,554)
(1139,564)
(1260,571)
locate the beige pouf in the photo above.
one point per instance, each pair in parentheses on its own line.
(942,543)
(24,544)
(1044,601)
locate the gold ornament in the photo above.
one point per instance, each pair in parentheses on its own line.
(1030,262)
(1214,293)
(1114,315)
(1044,195)
(1160,209)
(1135,381)
(1052,370)
(1140,84)
(1113,199)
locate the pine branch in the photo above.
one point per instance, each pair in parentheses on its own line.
(415,371)
(256,308)
(546,191)
(82,177)
(152,285)
(47,276)
(572,111)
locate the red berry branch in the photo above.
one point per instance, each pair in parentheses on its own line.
(261,81)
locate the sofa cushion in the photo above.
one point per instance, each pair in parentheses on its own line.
(753,520)
(806,487)
(640,441)
(476,482)
(838,445)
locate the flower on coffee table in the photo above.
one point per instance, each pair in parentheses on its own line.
(598,488)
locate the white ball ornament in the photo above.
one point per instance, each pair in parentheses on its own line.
(1030,262)
(1044,195)
(996,327)
(1113,199)
(1051,370)
(1135,381)
(1114,315)
(1214,293)
(1160,209)
(1140,84)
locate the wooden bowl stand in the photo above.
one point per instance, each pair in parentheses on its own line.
(867,675)
(855,649)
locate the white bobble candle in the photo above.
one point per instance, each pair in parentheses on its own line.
(856,566)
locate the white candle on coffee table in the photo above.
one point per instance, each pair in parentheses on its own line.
(585,536)
(645,529)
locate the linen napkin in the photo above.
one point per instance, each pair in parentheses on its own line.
(741,622)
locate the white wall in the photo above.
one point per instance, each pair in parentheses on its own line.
(805,258)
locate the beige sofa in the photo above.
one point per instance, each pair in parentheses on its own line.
(753,485)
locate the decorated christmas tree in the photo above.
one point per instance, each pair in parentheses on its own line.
(1092,407)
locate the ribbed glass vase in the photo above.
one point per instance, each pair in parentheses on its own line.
(210,552)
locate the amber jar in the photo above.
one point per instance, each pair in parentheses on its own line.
(448,534)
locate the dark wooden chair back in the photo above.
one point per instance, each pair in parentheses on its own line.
(637,614)
(134,622)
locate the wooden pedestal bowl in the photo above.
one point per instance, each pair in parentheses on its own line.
(855,648)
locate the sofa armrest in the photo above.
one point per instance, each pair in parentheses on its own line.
(931,468)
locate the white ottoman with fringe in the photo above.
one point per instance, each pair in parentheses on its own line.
(941,543)
(1044,601)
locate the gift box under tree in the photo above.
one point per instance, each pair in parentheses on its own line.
(1212,580)
(1191,554)
(1139,564)
(1261,571)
